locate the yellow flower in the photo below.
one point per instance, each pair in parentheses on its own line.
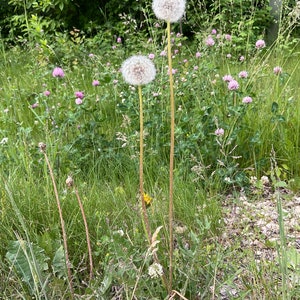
(147,199)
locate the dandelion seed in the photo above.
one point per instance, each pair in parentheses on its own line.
(168,10)
(58,72)
(138,70)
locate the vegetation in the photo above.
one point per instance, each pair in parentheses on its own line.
(72,223)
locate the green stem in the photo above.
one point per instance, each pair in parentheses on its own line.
(172,142)
(141,166)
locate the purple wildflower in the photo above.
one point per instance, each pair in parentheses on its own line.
(209,41)
(79,95)
(119,40)
(260,44)
(95,82)
(78,101)
(213,31)
(151,56)
(219,131)
(243,74)
(227,78)
(58,72)
(47,93)
(228,37)
(233,85)
(247,99)
(277,70)
(198,54)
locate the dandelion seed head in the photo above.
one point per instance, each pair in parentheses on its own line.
(138,70)
(168,10)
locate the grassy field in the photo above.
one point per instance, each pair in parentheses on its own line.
(236,174)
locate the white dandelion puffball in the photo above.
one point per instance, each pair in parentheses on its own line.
(169,10)
(138,70)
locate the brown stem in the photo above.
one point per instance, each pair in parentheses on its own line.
(86,232)
(43,148)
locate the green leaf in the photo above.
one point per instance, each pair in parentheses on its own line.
(29,261)
(59,263)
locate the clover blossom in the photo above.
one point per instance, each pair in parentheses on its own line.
(58,72)
(138,70)
(169,10)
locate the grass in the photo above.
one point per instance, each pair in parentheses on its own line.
(97,143)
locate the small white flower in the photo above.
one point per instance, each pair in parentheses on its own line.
(155,270)
(138,70)
(169,10)
(264,180)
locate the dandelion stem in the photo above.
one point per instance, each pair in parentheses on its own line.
(141,166)
(172,142)
(42,148)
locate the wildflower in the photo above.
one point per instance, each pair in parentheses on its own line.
(227,78)
(91,55)
(95,82)
(155,270)
(219,131)
(264,180)
(228,55)
(277,70)
(119,40)
(147,199)
(138,70)
(242,58)
(228,37)
(198,54)
(247,99)
(233,85)
(196,68)
(58,72)
(213,31)
(34,105)
(174,71)
(163,53)
(78,101)
(243,74)
(47,93)
(176,51)
(79,95)
(168,10)
(209,41)
(151,56)
(260,44)
(114,47)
